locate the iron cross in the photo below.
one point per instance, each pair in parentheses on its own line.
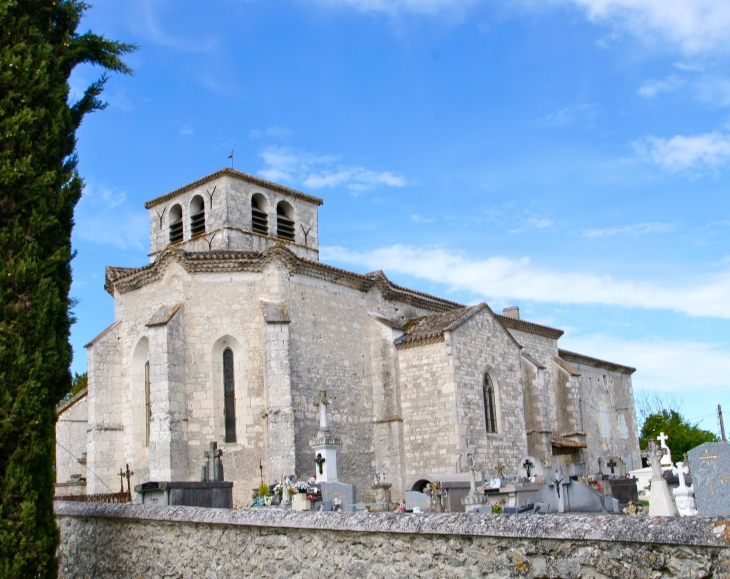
(528,465)
(320,461)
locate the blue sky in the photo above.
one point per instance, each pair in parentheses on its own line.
(571,157)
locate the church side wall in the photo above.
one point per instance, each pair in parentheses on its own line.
(543,350)
(71,443)
(428,402)
(609,393)
(478,346)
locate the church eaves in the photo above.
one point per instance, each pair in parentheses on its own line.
(237,175)
(123,280)
(529,327)
(595,362)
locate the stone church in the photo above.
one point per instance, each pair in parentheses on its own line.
(233,328)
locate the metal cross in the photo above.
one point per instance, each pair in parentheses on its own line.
(261,468)
(128,476)
(319,461)
(611,464)
(527,465)
(121,480)
(500,470)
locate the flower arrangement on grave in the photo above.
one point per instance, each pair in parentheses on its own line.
(400,509)
(261,496)
(301,486)
(496,509)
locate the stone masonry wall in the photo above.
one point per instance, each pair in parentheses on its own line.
(129,541)
(478,346)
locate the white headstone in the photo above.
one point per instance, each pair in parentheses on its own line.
(684,495)
(667,458)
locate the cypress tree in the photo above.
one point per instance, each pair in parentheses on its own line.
(39,188)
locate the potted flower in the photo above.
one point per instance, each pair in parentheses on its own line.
(301,486)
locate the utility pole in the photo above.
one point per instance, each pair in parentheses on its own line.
(722,424)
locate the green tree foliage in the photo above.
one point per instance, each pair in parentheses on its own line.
(39,188)
(683,435)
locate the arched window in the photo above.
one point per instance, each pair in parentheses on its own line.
(259,217)
(147,406)
(285,226)
(176,224)
(197,216)
(489,410)
(229,409)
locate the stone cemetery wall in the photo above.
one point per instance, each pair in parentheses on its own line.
(130,541)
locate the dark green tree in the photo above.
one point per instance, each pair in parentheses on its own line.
(39,188)
(683,435)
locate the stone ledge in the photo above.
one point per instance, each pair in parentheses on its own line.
(698,531)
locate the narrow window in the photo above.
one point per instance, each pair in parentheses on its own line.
(147,406)
(197,216)
(229,409)
(489,413)
(259,217)
(285,221)
(176,224)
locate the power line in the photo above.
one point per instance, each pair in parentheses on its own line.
(87,466)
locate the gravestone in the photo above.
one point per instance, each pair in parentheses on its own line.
(709,464)
(684,495)
(661,503)
(345,493)
(415,499)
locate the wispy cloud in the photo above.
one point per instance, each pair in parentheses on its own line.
(663,365)
(187,130)
(104,217)
(273,132)
(709,150)
(399,6)
(504,278)
(652,88)
(532,223)
(635,229)
(420,219)
(693,25)
(582,114)
(321,171)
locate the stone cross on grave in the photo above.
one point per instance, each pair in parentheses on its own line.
(612,464)
(654,453)
(527,465)
(322,402)
(467,454)
(679,471)
(666,460)
(212,470)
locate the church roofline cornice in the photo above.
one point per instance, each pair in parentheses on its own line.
(124,280)
(529,327)
(228,172)
(576,358)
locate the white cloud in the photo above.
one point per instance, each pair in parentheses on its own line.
(187,130)
(663,365)
(399,6)
(532,223)
(686,152)
(636,229)
(693,25)
(584,114)
(651,88)
(103,216)
(321,171)
(420,219)
(498,278)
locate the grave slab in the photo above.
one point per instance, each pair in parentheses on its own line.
(709,465)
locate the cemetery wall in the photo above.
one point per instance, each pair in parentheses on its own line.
(130,541)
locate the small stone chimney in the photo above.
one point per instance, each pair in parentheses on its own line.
(512,312)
